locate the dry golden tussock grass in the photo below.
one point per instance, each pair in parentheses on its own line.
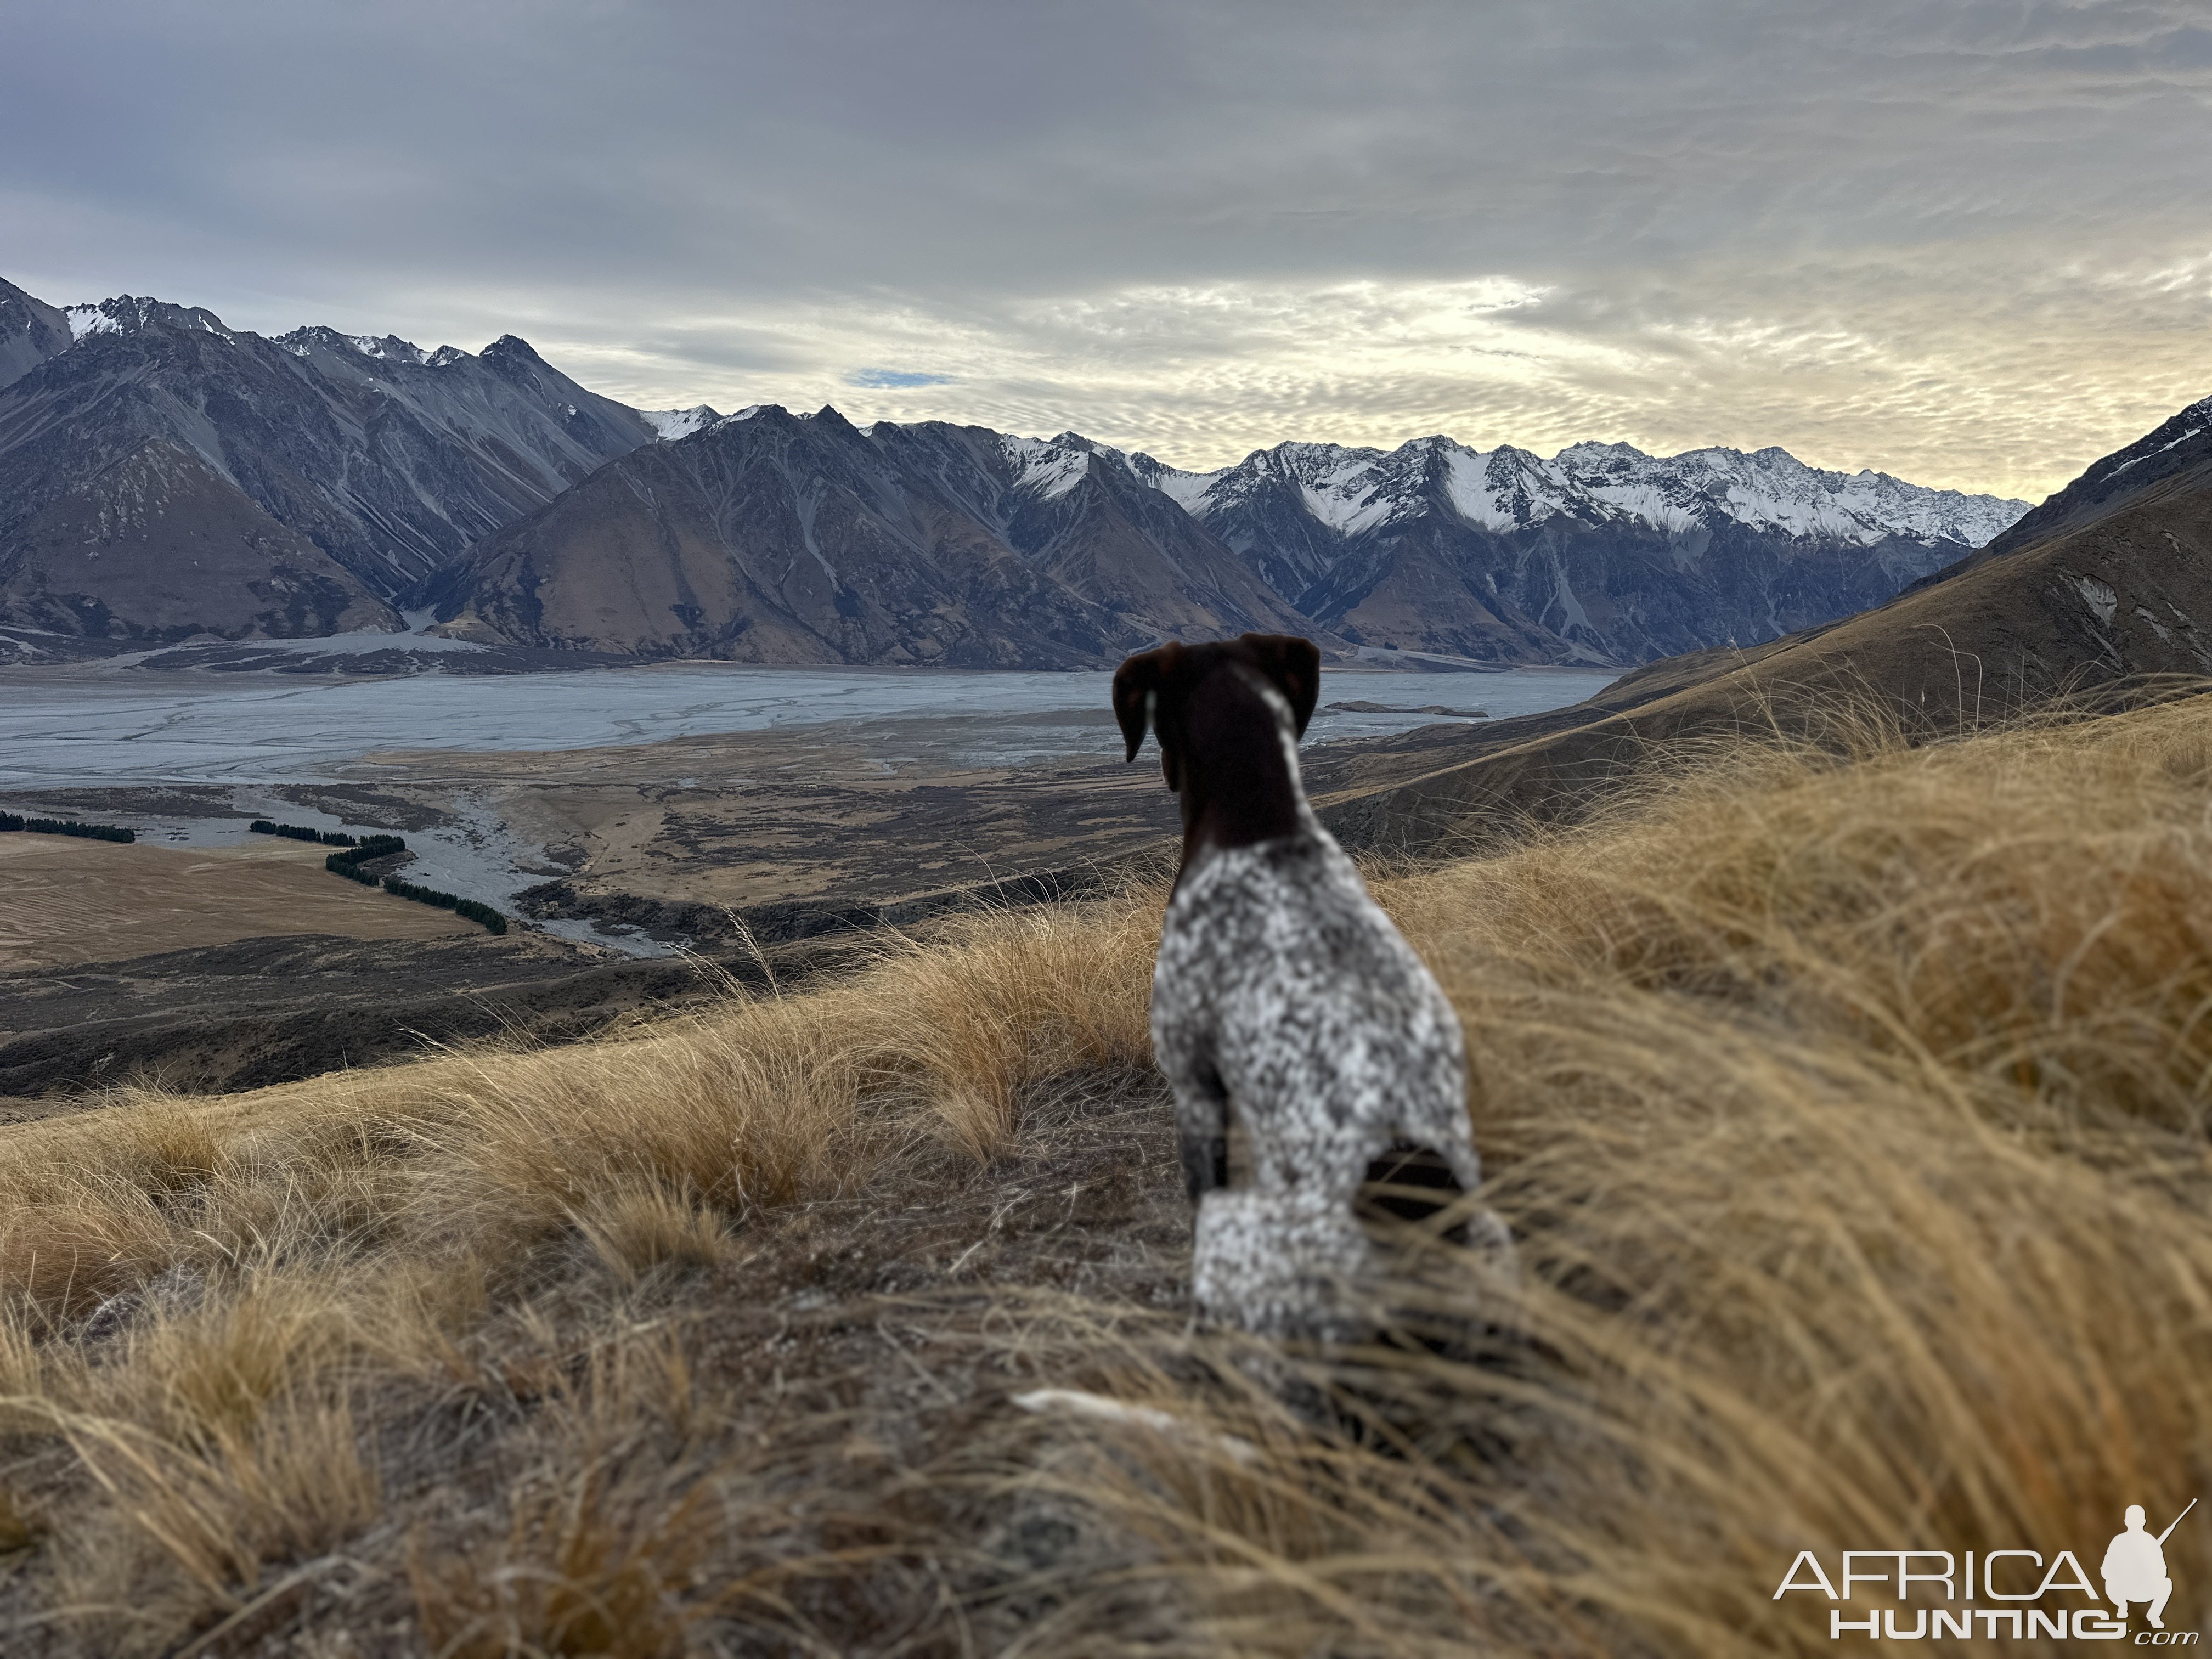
(1851,1112)
(764,1103)
(1852,1118)
(606,1551)
(358,1224)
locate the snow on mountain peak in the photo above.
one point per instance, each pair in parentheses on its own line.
(673,423)
(1482,489)
(1589,453)
(1047,466)
(1353,490)
(304,341)
(90,320)
(746,414)
(390,347)
(127,313)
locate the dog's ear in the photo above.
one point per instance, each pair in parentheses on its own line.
(1137,685)
(1293,665)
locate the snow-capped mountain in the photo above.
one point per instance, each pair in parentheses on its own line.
(2101,594)
(162,474)
(774,537)
(669,424)
(1351,490)
(1616,554)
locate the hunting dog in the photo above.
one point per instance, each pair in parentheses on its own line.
(1285,1006)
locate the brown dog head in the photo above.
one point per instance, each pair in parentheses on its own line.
(1152,689)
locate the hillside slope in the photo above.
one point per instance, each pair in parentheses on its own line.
(2174,456)
(855,1319)
(2106,587)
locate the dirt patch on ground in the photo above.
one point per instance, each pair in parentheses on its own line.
(65,900)
(354,804)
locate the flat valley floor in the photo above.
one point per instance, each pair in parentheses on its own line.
(211,958)
(64,901)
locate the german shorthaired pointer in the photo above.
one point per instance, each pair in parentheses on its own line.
(1286,1008)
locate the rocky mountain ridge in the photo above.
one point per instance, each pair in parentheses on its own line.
(163,476)
(2101,599)
(2172,455)
(1615,554)
(780,537)
(1351,490)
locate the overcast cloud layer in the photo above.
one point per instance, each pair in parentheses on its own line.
(1967,243)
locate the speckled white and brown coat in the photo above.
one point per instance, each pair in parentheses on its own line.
(1284,1002)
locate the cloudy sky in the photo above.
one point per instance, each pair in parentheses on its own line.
(1968,244)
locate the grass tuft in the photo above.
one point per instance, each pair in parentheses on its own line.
(635,1228)
(585,1569)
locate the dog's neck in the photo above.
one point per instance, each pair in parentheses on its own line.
(1240,768)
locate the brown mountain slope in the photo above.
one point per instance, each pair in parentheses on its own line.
(777,538)
(1076,512)
(384,460)
(2174,457)
(163,539)
(2121,599)
(1130,549)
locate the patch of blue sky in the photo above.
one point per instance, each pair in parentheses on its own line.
(889,378)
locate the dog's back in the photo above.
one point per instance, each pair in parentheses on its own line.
(1279,974)
(1285,1004)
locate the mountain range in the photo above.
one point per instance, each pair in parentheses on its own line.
(2100,597)
(770,536)
(1621,556)
(163,476)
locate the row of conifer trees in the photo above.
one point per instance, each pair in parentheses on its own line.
(66,827)
(301,832)
(367,849)
(359,850)
(370,847)
(484,914)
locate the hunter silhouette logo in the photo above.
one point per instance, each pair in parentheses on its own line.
(1932,1593)
(2134,1566)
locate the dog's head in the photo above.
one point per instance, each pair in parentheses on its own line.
(1152,689)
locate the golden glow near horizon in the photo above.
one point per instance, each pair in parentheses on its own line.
(1970,245)
(1956,388)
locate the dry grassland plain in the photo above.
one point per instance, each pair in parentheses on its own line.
(1850,1109)
(63,900)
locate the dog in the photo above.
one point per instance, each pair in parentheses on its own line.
(1287,1009)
